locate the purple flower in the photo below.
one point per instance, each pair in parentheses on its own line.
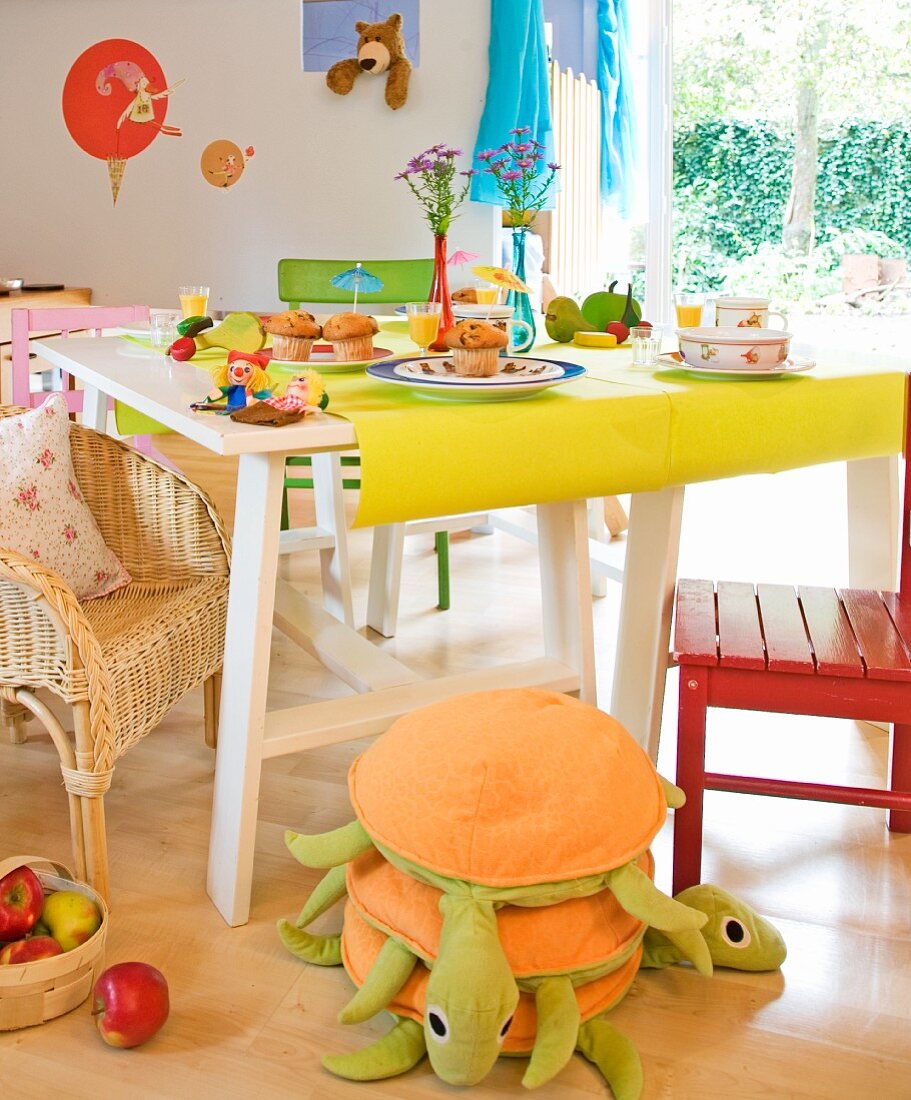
(470,172)
(526,162)
(437,148)
(523,148)
(537,144)
(426,164)
(400,176)
(537,155)
(520,130)
(552,166)
(487,154)
(512,174)
(450,153)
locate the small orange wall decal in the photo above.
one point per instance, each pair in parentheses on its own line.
(222,162)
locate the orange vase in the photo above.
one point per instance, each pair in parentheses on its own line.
(439,290)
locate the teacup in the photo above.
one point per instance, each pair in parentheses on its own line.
(734,348)
(733,312)
(520,335)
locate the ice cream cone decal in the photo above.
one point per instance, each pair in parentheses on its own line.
(116,166)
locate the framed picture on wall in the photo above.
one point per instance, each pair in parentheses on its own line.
(328,31)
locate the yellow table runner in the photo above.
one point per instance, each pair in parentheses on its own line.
(619,429)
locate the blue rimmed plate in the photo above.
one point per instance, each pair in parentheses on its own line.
(517,377)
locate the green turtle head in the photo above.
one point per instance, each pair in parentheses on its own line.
(471,993)
(736,935)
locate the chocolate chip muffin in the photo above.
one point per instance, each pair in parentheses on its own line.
(293,333)
(351,336)
(475,348)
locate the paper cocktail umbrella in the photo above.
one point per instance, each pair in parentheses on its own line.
(499,276)
(357,279)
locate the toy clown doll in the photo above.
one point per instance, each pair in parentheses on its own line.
(241,378)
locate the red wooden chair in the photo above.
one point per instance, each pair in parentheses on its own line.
(839,653)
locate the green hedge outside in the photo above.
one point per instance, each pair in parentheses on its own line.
(732,180)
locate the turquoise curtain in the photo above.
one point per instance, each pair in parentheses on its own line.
(518,91)
(618,125)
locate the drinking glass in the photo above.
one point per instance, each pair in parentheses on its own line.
(193,300)
(423,322)
(689,309)
(646,345)
(163,328)
(486,295)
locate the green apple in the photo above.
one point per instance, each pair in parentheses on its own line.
(72,917)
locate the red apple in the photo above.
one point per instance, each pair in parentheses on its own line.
(21,902)
(130,1003)
(35,947)
(618,329)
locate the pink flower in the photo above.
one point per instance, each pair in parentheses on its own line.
(35,554)
(46,458)
(526,162)
(28,497)
(74,491)
(249,151)
(69,533)
(100,575)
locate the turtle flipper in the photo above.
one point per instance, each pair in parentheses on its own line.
(329,849)
(322,950)
(397,1052)
(640,897)
(615,1055)
(330,889)
(558,1030)
(673,795)
(390,971)
(691,945)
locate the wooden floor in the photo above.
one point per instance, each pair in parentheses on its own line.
(248,1020)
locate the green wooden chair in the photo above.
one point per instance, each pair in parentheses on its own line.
(301,280)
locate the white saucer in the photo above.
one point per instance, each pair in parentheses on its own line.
(794,364)
(325,362)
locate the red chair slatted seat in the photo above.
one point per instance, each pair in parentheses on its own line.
(843,653)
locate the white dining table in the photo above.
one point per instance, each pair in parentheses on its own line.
(110,367)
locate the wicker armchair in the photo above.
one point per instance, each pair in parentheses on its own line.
(121,661)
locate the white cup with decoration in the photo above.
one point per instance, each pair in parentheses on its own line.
(731,312)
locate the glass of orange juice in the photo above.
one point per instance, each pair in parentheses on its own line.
(486,295)
(423,322)
(194,300)
(689,309)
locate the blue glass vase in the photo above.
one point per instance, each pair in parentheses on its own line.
(519,299)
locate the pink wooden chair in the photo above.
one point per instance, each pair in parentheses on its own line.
(66,320)
(842,653)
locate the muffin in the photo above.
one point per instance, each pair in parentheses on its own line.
(475,348)
(293,333)
(467,296)
(351,336)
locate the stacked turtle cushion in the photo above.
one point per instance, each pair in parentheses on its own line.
(500,893)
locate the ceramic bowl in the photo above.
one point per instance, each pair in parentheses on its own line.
(733,348)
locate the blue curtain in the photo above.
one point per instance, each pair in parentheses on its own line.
(518,90)
(618,125)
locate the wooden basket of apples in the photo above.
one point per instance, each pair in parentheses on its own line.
(52,933)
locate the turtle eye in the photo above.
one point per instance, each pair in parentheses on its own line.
(438,1024)
(735,932)
(504,1028)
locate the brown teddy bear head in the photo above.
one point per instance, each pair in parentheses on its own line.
(380,44)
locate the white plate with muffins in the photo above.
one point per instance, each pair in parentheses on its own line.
(348,341)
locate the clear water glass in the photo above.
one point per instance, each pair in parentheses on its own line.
(646,345)
(163,329)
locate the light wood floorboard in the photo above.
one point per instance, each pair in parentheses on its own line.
(248,1020)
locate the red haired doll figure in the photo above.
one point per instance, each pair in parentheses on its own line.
(242,377)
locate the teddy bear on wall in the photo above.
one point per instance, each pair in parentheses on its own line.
(380,49)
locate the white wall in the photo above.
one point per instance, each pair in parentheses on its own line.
(320,183)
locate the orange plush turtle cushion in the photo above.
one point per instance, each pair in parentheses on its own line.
(509,788)
(554,939)
(361,944)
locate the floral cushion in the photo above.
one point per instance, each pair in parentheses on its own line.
(42,512)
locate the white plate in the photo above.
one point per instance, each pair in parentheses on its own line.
(323,360)
(794,364)
(495,312)
(142,329)
(518,376)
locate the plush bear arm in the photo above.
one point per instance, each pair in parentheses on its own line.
(341,77)
(397,83)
